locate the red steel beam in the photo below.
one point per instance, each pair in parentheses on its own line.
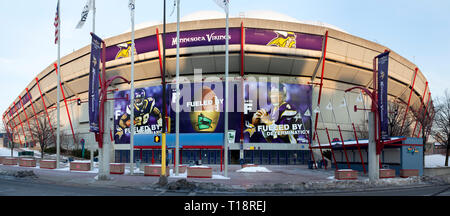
(67,108)
(321,79)
(34,111)
(162,74)
(359,149)
(28,122)
(331,147)
(320,147)
(420,110)
(242,82)
(21,125)
(409,100)
(343,146)
(15,128)
(426,112)
(310,148)
(45,107)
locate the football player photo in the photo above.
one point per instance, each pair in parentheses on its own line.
(144,110)
(281,121)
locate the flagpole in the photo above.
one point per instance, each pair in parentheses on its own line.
(93,31)
(177,124)
(132,126)
(226,95)
(93,16)
(58,91)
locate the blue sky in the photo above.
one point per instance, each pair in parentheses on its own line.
(416,29)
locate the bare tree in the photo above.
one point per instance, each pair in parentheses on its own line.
(42,131)
(9,135)
(396,116)
(441,127)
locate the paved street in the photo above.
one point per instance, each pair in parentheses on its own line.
(282,180)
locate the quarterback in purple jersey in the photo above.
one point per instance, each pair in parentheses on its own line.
(143,108)
(277,120)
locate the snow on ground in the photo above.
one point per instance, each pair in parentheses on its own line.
(436,160)
(7,152)
(254,169)
(184,175)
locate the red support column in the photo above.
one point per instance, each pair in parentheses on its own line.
(359,149)
(242,82)
(15,128)
(426,112)
(331,147)
(409,100)
(310,149)
(34,111)
(43,102)
(162,74)
(321,78)
(343,146)
(21,125)
(28,122)
(67,108)
(320,147)
(420,110)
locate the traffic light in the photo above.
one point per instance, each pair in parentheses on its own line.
(79,101)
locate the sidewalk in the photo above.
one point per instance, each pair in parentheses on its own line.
(289,178)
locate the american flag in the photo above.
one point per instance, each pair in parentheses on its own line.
(57,24)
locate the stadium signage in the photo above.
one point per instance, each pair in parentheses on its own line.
(94,71)
(383,63)
(207,38)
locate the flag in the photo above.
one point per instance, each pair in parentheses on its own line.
(223,4)
(84,14)
(173,8)
(131,6)
(56,24)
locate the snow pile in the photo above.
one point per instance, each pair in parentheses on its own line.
(6,152)
(436,160)
(254,169)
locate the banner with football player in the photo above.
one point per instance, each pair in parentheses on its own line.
(202,107)
(147,113)
(277,113)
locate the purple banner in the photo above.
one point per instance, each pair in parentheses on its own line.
(283,39)
(94,70)
(383,63)
(147,113)
(277,113)
(207,37)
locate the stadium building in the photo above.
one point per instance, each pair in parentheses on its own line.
(281,75)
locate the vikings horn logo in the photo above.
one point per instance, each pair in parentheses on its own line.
(125,50)
(284,39)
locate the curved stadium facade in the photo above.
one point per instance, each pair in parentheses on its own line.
(267,58)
